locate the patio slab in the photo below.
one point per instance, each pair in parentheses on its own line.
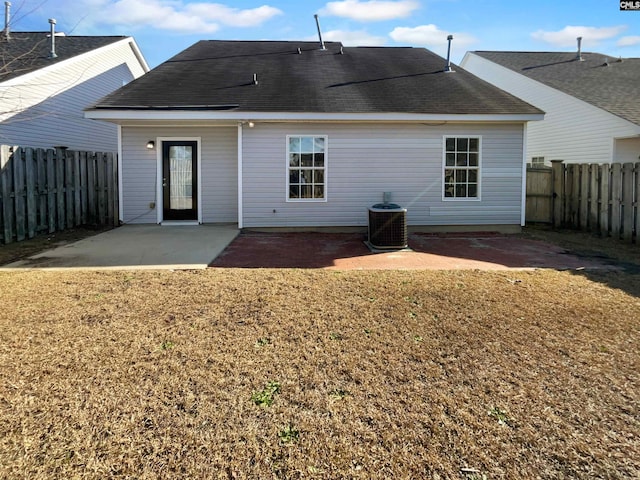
(341,251)
(138,247)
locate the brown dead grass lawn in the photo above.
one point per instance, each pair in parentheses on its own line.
(382,375)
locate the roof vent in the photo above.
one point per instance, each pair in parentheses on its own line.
(579,55)
(447,67)
(322,47)
(341,50)
(299,51)
(619,60)
(7,18)
(255,79)
(53,54)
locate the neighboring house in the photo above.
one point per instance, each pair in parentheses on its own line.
(42,98)
(591,101)
(286,134)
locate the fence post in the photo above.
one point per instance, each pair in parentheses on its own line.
(557,178)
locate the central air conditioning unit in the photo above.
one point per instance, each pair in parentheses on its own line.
(387,226)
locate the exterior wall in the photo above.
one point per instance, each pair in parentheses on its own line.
(627,150)
(45,108)
(218,172)
(573,130)
(365,160)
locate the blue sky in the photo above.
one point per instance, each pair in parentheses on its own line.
(162,28)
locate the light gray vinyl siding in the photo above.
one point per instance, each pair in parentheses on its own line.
(218,172)
(365,160)
(572,130)
(46,108)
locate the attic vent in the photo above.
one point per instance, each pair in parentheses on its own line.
(447,67)
(322,47)
(52,54)
(7,18)
(579,55)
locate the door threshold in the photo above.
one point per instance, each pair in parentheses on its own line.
(175,223)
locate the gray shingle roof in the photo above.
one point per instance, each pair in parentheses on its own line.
(29,51)
(218,74)
(600,80)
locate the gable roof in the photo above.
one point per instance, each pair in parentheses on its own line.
(26,52)
(608,83)
(300,77)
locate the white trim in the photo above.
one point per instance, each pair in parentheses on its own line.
(120,187)
(159,195)
(240,145)
(523,187)
(325,169)
(164,115)
(21,79)
(444,167)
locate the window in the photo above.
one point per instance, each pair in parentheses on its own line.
(462,167)
(306,168)
(537,161)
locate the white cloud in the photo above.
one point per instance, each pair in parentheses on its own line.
(429,36)
(567,36)
(370,11)
(629,41)
(176,15)
(358,38)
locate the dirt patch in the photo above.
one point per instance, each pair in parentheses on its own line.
(20,250)
(239,373)
(426,251)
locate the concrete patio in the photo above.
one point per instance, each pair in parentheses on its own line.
(139,247)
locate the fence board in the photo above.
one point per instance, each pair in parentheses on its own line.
(51,190)
(594,199)
(84,206)
(616,199)
(102,201)
(62,221)
(627,201)
(19,194)
(68,189)
(583,198)
(41,185)
(557,177)
(605,199)
(6,190)
(77,207)
(92,217)
(637,189)
(30,191)
(45,191)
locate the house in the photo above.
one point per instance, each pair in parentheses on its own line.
(591,101)
(290,134)
(45,86)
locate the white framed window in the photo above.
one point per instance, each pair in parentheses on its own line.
(461,167)
(307,168)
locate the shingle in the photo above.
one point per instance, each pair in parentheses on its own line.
(219,74)
(606,82)
(26,52)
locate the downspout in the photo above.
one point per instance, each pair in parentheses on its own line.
(240,222)
(120,193)
(523,211)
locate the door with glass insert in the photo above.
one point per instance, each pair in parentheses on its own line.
(179,161)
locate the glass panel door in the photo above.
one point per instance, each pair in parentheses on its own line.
(179,180)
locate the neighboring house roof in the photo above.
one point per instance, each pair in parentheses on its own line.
(606,82)
(300,77)
(26,52)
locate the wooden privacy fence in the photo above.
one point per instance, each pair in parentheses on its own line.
(43,191)
(601,198)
